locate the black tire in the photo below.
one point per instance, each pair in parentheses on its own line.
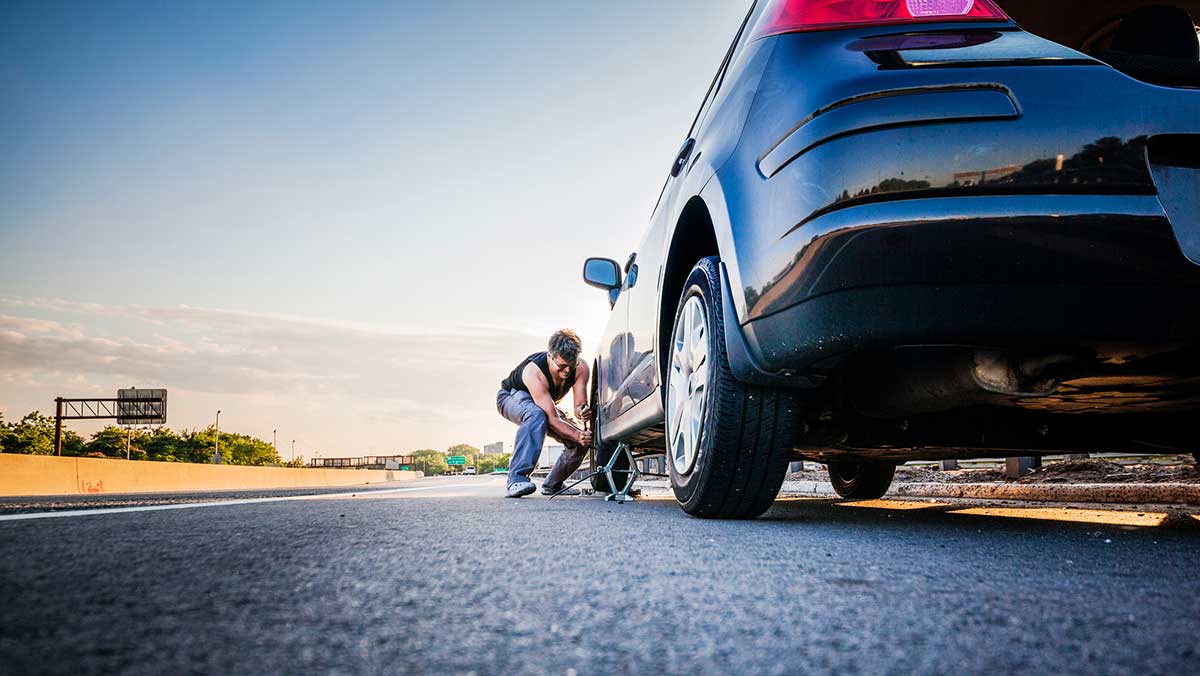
(746,431)
(602,453)
(861,480)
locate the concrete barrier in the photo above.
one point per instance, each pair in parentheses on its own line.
(51,475)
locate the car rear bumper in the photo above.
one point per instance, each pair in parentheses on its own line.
(1020,239)
(812,337)
(1081,271)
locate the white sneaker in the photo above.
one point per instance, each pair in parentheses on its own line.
(520,489)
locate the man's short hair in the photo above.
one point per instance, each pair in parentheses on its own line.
(566,344)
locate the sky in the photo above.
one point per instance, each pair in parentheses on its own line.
(345,221)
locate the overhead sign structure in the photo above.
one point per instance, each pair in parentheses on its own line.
(141,407)
(131,407)
(456,460)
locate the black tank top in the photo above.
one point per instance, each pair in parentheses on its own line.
(514,381)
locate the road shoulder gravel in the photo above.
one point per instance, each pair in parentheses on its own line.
(1165,493)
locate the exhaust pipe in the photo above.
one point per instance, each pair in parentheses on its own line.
(911,381)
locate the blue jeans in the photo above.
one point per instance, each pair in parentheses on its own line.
(518,407)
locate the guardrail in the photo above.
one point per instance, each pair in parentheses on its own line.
(365,462)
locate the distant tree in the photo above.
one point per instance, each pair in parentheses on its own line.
(72,444)
(33,435)
(503,460)
(236,449)
(109,442)
(432,462)
(246,450)
(296,462)
(462,449)
(200,445)
(196,446)
(163,445)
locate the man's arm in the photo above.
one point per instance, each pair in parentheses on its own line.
(579,392)
(539,390)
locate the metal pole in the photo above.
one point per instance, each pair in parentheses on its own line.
(217,440)
(293,450)
(275,442)
(58,425)
(128,440)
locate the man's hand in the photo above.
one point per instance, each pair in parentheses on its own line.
(583,412)
(585,438)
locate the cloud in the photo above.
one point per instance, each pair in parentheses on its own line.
(387,375)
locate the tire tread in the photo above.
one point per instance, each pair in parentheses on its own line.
(753,433)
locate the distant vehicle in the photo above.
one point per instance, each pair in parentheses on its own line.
(916,229)
(470,470)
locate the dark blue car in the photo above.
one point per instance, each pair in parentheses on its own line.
(917,229)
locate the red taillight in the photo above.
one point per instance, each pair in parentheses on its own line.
(790,16)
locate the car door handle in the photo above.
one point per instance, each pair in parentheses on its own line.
(681,159)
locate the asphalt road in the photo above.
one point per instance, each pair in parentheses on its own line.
(451,578)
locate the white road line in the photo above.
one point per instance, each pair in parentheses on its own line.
(220,503)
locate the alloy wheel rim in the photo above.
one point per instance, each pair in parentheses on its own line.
(688,386)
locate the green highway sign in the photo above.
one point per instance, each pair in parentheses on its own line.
(456,460)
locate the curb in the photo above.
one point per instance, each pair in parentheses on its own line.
(1165,493)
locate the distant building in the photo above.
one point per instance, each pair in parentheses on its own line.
(494,449)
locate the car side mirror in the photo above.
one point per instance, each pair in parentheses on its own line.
(604,273)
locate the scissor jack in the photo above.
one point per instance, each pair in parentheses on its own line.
(609,470)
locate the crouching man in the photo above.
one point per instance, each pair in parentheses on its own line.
(528,397)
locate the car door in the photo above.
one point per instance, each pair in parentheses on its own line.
(614,359)
(616,391)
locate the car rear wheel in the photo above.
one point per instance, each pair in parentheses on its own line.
(728,443)
(861,480)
